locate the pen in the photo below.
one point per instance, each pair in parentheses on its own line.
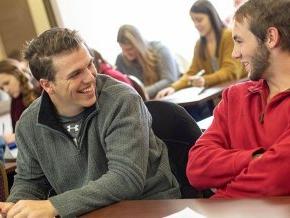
(200,73)
(202,91)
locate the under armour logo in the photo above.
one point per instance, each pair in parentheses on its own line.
(75,128)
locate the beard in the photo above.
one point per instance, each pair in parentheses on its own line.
(260,62)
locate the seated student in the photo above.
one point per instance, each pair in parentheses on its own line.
(88,138)
(246,150)
(17,84)
(151,62)
(236,3)
(212,52)
(104,67)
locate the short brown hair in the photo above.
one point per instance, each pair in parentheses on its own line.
(40,50)
(262,14)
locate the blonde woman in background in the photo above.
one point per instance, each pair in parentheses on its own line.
(151,62)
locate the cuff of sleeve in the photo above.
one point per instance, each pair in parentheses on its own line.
(59,205)
(210,81)
(68,205)
(177,85)
(243,158)
(181,83)
(173,86)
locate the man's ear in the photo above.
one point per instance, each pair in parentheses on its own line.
(273,37)
(47,86)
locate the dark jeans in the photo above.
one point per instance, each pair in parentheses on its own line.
(201,110)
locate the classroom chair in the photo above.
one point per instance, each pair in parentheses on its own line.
(138,86)
(179,131)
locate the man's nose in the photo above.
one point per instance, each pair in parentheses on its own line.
(236,53)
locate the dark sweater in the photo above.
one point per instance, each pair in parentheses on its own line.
(17,107)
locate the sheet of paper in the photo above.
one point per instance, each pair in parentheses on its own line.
(186,213)
(187,92)
(10,154)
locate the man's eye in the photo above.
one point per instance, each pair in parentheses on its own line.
(74,75)
(238,41)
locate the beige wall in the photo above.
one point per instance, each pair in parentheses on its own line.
(2,50)
(20,21)
(38,15)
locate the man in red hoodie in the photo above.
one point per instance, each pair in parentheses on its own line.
(246,150)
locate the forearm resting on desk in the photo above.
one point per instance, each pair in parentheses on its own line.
(213,166)
(266,175)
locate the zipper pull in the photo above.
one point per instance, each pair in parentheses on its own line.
(75,141)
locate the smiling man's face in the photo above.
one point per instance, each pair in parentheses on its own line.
(254,55)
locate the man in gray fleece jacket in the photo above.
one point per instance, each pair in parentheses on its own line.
(86,142)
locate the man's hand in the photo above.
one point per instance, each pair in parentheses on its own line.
(29,208)
(5,207)
(196,81)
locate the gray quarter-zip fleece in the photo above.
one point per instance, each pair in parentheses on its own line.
(117,157)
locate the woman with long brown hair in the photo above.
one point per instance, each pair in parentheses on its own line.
(212,53)
(103,67)
(17,83)
(151,62)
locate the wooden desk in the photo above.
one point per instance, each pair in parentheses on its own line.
(10,167)
(246,208)
(191,96)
